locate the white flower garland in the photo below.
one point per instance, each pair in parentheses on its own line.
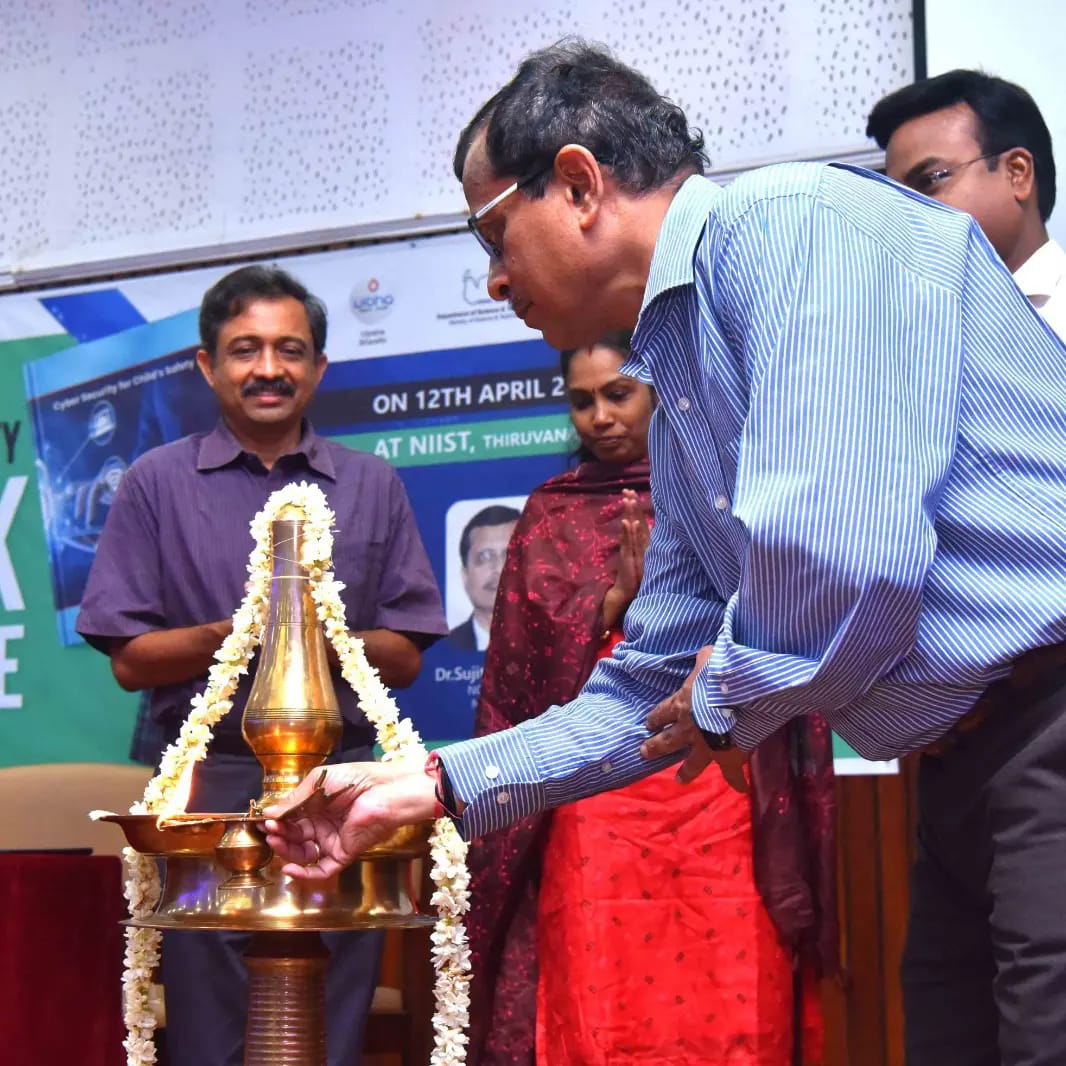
(451,954)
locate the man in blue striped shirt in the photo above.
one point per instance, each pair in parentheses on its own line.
(859,477)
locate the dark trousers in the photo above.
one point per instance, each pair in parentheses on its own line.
(204,979)
(984,970)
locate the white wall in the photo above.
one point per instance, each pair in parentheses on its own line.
(1022,42)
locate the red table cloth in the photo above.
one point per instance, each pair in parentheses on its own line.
(61,959)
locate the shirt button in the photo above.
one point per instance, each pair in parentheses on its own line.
(722,503)
(503,797)
(492,771)
(726,712)
(606,767)
(684,403)
(723,687)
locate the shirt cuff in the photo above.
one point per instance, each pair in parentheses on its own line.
(496,778)
(747,726)
(719,720)
(712,715)
(507,776)
(102,635)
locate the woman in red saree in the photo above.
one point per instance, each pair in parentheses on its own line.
(658,924)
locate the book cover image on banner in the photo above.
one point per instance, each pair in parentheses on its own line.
(94,409)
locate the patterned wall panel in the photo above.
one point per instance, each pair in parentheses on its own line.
(141,127)
(137,154)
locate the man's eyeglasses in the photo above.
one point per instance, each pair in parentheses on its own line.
(928,182)
(494,250)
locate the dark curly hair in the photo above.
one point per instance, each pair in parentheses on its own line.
(1007,117)
(229,297)
(577,93)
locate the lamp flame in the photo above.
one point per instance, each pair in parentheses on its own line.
(179,796)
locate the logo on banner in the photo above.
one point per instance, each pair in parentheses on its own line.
(474,288)
(371,301)
(102,423)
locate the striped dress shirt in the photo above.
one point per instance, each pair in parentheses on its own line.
(859,478)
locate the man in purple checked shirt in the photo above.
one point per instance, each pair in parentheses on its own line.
(170,571)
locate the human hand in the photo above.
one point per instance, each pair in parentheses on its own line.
(351,808)
(675,729)
(634,539)
(636,534)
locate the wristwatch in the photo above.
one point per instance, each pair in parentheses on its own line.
(717,741)
(443,793)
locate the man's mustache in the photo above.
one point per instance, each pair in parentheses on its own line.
(268,387)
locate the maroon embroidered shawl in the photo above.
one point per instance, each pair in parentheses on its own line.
(545,637)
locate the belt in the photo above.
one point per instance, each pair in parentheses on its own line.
(1027,674)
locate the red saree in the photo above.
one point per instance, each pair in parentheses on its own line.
(671,937)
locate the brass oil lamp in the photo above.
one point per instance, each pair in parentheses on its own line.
(218,872)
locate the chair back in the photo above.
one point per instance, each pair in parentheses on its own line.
(47,806)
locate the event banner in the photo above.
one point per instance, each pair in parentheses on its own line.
(425,372)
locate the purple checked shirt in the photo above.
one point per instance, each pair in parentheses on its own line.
(174,551)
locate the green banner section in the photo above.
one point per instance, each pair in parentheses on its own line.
(468,441)
(843,750)
(847,760)
(57,704)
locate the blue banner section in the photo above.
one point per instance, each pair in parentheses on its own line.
(88,316)
(65,620)
(390,405)
(453,386)
(470,430)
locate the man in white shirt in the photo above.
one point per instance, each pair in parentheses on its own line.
(980,144)
(1042,278)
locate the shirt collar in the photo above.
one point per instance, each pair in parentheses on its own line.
(675,247)
(1042,271)
(220,447)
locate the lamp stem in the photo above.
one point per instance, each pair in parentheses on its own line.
(286,1000)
